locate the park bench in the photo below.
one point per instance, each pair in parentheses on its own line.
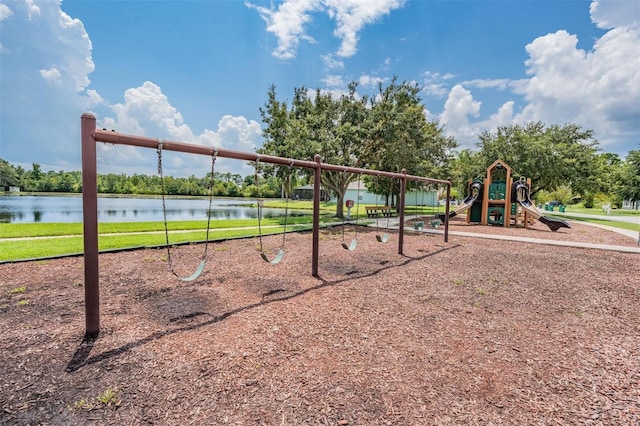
(376,211)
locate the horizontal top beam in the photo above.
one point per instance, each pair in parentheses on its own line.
(111,136)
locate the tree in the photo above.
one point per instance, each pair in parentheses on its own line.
(466,165)
(400,137)
(629,188)
(317,125)
(550,156)
(390,133)
(8,174)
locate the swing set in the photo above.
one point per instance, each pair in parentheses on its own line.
(90,135)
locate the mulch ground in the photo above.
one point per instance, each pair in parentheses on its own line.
(472,331)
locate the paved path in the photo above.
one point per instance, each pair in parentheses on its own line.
(625,249)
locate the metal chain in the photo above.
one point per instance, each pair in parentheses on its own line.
(164,207)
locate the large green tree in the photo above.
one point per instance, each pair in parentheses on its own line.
(551,156)
(629,188)
(399,136)
(317,123)
(8,174)
(389,132)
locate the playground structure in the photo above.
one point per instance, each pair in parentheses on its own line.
(500,201)
(90,135)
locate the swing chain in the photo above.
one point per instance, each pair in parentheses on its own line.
(164,207)
(164,213)
(259,202)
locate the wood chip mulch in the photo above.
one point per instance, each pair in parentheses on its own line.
(472,331)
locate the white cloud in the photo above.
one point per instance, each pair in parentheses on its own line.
(5,12)
(288,21)
(435,83)
(498,83)
(598,89)
(32,8)
(52,76)
(331,62)
(459,106)
(352,15)
(370,81)
(46,61)
(146,111)
(48,87)
(607,14)
(334,81)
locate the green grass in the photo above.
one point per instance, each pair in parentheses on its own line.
(612,223)
(597,210)
(141,234)
(26,249)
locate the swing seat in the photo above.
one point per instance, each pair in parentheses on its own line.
(435,223)
(275,260)
(382,238)
(351,246)
(196,274)
(419,225)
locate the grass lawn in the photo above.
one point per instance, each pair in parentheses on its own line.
(54,239)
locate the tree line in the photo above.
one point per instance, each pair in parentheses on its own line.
(224,184)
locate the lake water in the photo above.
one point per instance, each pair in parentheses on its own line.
(44,208)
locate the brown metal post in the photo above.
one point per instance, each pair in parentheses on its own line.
(90,225)
(315,251)
(446,212)
(403,189)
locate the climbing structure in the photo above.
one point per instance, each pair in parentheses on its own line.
(497,206)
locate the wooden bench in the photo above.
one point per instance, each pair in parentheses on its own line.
(376,211)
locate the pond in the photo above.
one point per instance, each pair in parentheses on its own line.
(45,208)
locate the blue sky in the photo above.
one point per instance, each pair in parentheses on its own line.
(197,71)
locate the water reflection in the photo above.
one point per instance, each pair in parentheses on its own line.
(29,209)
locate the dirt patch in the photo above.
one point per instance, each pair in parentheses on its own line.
(472,331)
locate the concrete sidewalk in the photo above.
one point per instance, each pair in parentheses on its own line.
(623,249)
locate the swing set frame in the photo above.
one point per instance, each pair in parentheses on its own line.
(90,135)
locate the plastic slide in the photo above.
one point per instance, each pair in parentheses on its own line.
(521,192)
(474,193)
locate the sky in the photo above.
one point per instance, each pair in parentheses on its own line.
(198,71)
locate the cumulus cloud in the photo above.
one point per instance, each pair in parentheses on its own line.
(371,81)
(146,110)
(46,61)
(287,23)
(5,12)
(45,71)
(289,20)
(615,14)
(435,84)
(32,9)
(334,81)
(52,76)
(458,108)
(598,89)
(331,62)
(352,15)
